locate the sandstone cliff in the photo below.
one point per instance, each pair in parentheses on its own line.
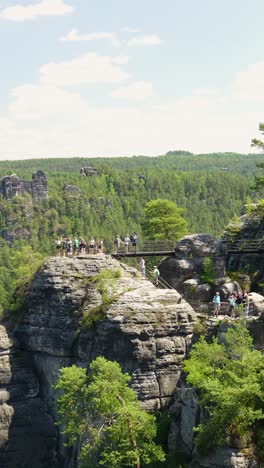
(147,330)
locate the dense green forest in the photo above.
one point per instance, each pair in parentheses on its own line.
(210,189)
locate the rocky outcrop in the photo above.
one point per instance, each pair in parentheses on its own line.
(71,189)
(12,186)
(185,271)
(251,228)
(28,434)
(88,171)
(185,415)
(147,330)
(225,457)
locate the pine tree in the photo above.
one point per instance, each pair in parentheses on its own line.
(102,412)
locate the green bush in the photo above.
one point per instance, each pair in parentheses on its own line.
(199,328)
(229,377)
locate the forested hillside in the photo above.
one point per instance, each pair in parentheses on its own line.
(211,189)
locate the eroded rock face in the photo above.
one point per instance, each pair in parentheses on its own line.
(184,271)
(28,434)
(12,186)
(184,414)
(147,330)
(225,457)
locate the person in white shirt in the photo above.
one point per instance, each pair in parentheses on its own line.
(127,242)
(142,267)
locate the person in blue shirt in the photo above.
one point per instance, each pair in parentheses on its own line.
(217,303)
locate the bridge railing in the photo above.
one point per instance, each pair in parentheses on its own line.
(146,246)
(251,245)
(153,246)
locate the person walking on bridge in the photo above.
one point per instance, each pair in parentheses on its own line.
(217,304)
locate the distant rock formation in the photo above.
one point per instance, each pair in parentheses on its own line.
(88,171)
(12,186)
(71,189)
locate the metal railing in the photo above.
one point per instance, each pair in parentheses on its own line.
(150,246)
(207,308)
(244,246)
(165,246)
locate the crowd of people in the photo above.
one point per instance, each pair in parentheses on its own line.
(238,304)
(72,247)
(127,242)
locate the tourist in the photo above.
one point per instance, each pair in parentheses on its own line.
(69,247)
(82,246)
(217,304)
(239,301)
(133,239)
(59,246)
(127,243)
(75,246)
(232,304)
(156,275)
(117,242)
(142,267)
(246,304)
(100,246)
(64,246)
(91,246)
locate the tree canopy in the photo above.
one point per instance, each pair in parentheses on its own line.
(229,378)
(99,410)
(259,180)
(163,220)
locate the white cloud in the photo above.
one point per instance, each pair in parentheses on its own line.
(206,91)
(35,101)
(22,13)
(130,30)
(137,91)
(152,39)
(45,120)
(75,36)
(249,84)
(88,68)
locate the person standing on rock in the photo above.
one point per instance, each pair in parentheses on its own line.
(232,305)
(100,246)
(217,304)
(75,246)
(156,275)
(142,268)
(59,246)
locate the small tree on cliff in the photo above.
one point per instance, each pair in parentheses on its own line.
(229,377)
(102,413)
(163,220)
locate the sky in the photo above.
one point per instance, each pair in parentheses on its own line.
(95,78)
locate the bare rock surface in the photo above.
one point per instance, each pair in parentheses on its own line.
(184,271)
(12,186)
(225,457)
